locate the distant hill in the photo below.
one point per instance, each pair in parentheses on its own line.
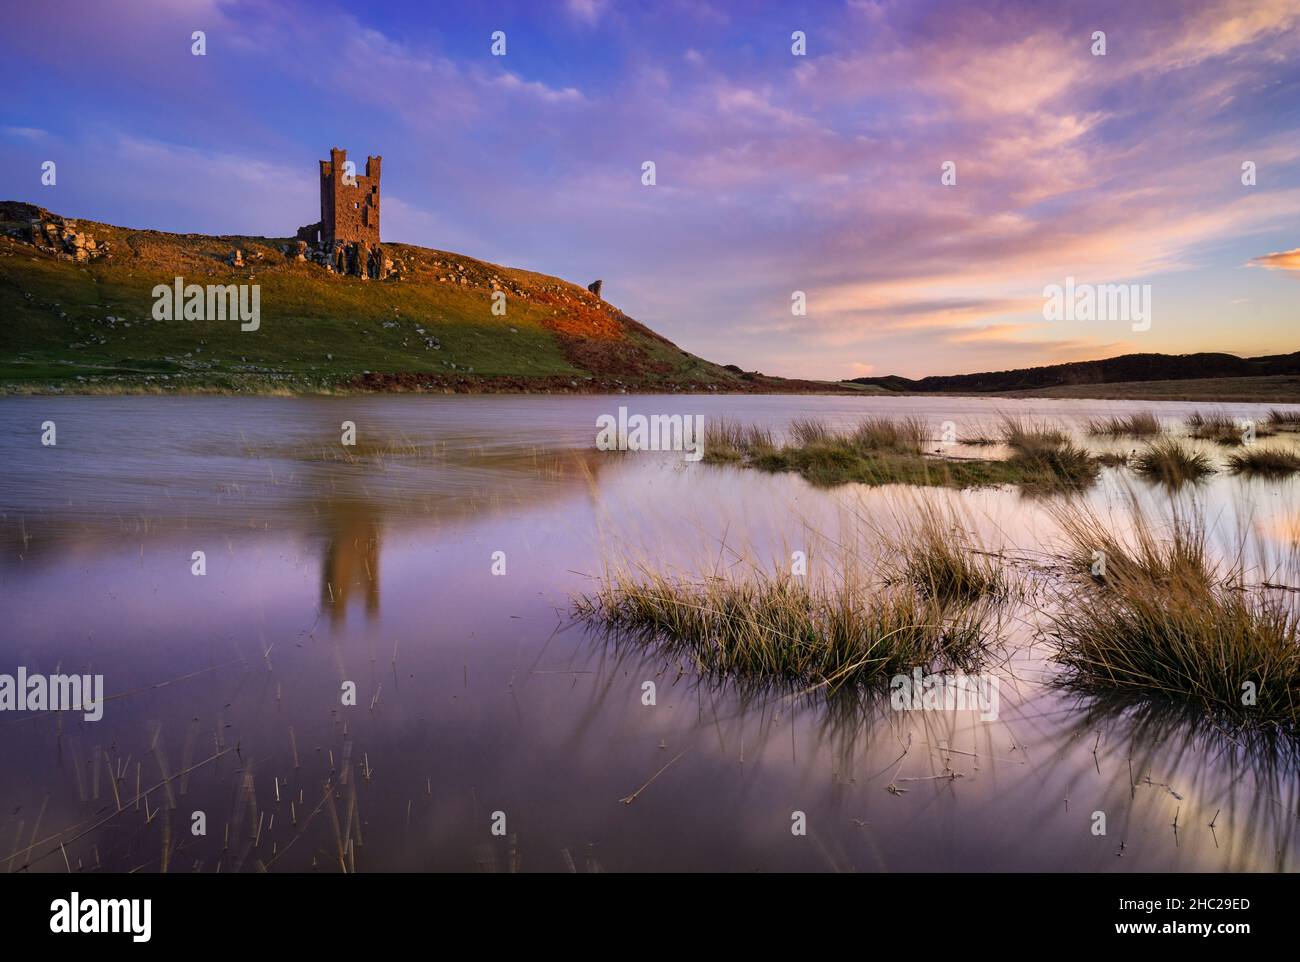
(77,306)
(1128,368)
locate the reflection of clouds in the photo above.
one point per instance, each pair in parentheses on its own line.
(973,795)
(835,757)
(763,751)
(1250,777)
(572,736)
(1284,528)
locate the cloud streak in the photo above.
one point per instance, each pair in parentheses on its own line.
(1280,261)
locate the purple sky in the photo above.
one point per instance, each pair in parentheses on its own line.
(775,172)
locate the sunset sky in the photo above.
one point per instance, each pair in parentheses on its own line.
(776,172)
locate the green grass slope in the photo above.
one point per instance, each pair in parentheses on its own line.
(88,327)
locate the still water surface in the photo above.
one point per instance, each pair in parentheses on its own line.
(476,694)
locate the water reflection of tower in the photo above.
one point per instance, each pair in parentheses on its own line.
(351,563)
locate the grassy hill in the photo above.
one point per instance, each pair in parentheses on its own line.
(88,326)
(1098,378)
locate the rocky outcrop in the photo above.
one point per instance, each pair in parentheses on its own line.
(352,259)
(60,236)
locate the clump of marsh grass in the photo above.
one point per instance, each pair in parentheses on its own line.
(808,431)
(1029,436)
(1172,464)
(1065,465)
(1264,462)
(729,440)
(884,450)
(777,628)
(1046,456)
(1141,425)
(1203,426)
(1164,621)
(1222,429)
(902,435)
(1113,459)
(939,559)
(1279,420)
(841,461)
(1159,556)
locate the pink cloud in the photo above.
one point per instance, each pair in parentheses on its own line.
(1280,261)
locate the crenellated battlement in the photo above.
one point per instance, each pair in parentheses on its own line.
(349,201)
(347,236)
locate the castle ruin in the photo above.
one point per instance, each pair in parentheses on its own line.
(346,239)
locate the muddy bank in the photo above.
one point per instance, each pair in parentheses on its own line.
(586,384)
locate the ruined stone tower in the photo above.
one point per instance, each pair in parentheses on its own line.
(347,237)
(349,205)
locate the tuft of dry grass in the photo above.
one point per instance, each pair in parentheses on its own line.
(773,627)
(891,451)
(901,435)
(940,560)
(1265,462)
(729,440)
(1047,455)
(1031,436)
(1158,556)
(1164,621)
(1222,429)
(1279,420)
(1172,464)
(806,431)
(1141,425)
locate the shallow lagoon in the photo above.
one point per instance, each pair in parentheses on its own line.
(477,694)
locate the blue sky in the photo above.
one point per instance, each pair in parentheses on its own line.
(775,172)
